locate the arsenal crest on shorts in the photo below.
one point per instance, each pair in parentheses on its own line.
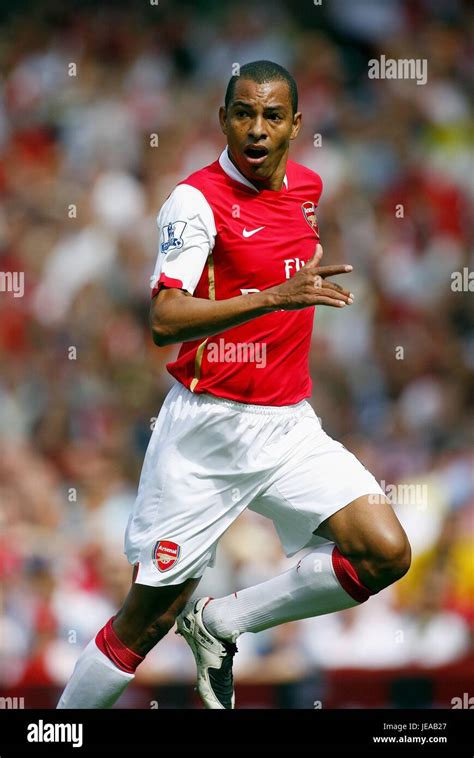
(309,212)
(165,554)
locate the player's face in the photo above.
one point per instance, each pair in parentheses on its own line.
(259,125)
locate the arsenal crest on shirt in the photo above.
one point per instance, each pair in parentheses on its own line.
(165,554)
(309,212)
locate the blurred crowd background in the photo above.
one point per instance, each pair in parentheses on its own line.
(84,91)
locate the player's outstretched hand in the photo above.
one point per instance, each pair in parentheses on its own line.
(309,286)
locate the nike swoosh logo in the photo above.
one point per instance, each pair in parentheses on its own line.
(245,233)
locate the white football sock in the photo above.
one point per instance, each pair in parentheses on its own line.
(309,589)
(95,683)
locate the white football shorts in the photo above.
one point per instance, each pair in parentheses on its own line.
(208,459)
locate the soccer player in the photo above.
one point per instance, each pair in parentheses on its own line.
(237,278)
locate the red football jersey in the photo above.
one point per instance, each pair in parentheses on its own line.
(241,240)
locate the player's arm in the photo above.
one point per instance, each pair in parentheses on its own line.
(175,316)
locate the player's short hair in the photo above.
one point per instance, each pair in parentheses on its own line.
(263,71)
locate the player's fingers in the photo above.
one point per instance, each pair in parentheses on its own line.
(337,287)
(333,295)
(333,270)
(333,286)
(332,301)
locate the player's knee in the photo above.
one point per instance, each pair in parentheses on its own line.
(391,560)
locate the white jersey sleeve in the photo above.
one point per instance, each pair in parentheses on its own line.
(187,236)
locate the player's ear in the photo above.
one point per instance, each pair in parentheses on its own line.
(296,125)
(223,118)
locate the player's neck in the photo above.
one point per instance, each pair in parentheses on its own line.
(273,182)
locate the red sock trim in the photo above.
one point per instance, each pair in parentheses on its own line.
(110,645)
(347,577)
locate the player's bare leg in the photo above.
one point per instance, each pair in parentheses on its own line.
(371,551)
(369,534)
(148,614)
(107,665)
